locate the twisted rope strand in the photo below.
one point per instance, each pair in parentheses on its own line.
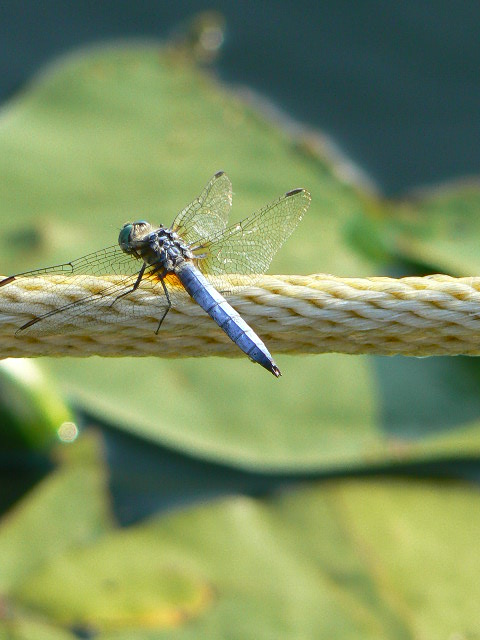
(433,315)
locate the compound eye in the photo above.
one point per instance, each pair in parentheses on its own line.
(124,236)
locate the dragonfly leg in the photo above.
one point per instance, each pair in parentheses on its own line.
(135,286)
(169,305)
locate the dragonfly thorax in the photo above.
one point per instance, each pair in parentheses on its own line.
(159,246)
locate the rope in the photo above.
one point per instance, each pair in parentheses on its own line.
(433,315)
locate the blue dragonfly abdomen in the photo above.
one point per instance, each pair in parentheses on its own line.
(225,316)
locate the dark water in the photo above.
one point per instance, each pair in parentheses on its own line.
(394,83)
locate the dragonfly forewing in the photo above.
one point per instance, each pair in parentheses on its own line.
(248,247)
(207,216)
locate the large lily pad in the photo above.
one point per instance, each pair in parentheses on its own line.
(441,230)
(437,230)
(343,559)
(132,132)
(68,509)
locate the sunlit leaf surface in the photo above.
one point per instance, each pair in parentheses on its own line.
(341,559)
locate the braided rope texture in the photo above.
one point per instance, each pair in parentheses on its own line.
(416,316)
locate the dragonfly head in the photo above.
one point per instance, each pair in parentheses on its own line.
(131,232)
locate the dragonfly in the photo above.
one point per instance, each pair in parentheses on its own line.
(198,253)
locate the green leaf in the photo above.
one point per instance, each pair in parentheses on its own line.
(69,508)
(26,629)
(124,582)
(439,230)
(198,407)
(344,559)
(32,414)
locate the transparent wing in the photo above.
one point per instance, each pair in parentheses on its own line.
(111,260)
(248,247)
(207,216)
(80,274)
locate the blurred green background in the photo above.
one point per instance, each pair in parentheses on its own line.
(201,498)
